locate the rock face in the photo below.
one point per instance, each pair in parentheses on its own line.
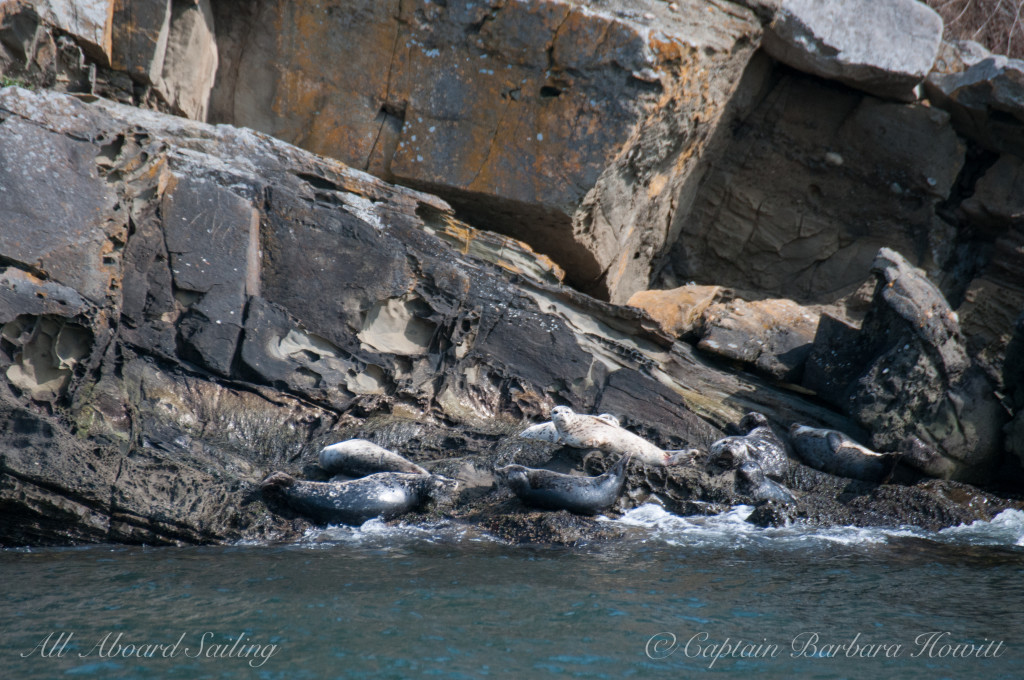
(164,353)
(995,297)
(884,47)
(813,181)
(159,53)
(576,127)
(185,308)
(1013,377)
(905,376)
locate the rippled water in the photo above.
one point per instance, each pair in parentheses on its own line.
(676,597)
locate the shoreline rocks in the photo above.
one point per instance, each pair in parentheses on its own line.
(185,307)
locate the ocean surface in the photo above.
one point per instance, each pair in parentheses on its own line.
(674,599)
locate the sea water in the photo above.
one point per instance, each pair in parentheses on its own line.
(674,598)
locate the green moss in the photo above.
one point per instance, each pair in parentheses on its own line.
(8,81)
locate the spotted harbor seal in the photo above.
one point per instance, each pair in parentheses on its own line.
(359,457)
(551,490)
(751,481)
(547,432)
(833,452)
(759,444)
(592,432)
(384,494)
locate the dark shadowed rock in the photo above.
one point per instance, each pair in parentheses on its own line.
(814,179)
(906,375)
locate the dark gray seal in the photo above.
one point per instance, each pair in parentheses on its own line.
(359,457)
(550,490)
(760,444)
(833,452)
(752,482)
(384,494)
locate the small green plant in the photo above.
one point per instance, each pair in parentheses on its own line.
(8,81)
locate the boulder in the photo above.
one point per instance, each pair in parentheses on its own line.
(677,311)
(90,22)
(883,47)
(984,93)
(773,337)
(811,184)
(906,377)
(579,128)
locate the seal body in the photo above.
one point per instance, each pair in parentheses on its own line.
(359,457)
(833,452)
(556,491)
(594,432)
(751,481)
(384,494)
(547,432)
(760,444)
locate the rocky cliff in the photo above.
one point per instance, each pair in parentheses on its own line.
(418,223)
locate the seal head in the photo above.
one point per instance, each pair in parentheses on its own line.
(760,444)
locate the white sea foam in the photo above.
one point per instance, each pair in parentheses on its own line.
(652,523)
(730,529)
(377,532)
(1006,528)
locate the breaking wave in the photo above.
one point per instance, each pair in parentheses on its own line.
(730,529)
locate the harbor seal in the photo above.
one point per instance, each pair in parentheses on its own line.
(547,432)
(551,490)
(751,481)
(384,494)
(760,444)
(833,452)
(592,432)
(359,457)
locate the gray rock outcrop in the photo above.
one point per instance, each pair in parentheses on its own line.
(884,47)
(812,182)
(985,95)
